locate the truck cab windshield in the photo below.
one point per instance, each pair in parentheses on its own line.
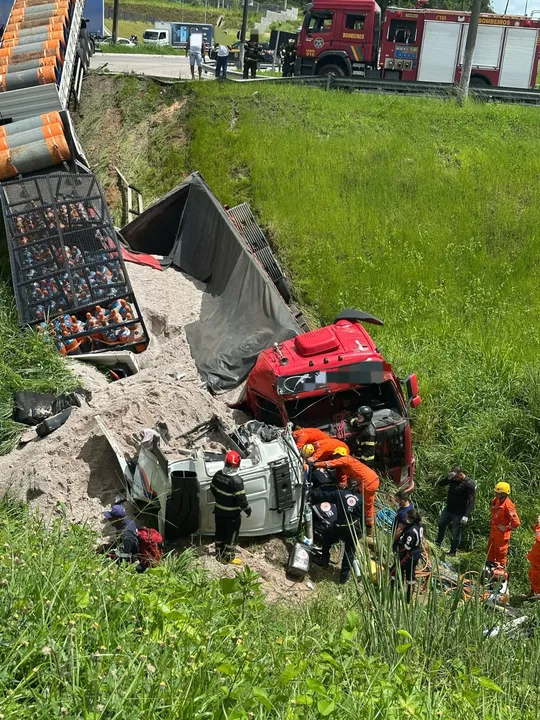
(309,410)
(150,35)
(318,22)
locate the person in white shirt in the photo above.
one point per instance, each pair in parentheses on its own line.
(196,50)
(222,58)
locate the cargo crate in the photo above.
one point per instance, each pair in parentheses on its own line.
(69,276)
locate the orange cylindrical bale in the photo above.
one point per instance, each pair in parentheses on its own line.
(7,55)
(23,13)
(33,156)
(49,36)
(27,78)
(48,131)
(19,126)
(37,6)
(59,20)
(55,24)
(7,65)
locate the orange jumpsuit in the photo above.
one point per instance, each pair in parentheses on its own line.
(324,449)
(303,436)
(368,481)
(534,558)
(502,513)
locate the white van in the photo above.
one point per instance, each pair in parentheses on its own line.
(156,37)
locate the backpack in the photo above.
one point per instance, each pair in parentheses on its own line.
(150,547)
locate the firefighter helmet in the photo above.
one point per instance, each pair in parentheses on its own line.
(502,487)
(340,451)
(232,459)
(308,450)
(366,412)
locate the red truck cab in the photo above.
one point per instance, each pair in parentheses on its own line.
(339,37)
(319,379)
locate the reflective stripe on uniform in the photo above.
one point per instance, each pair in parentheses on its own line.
(367,442)
(233,509)
(228,494)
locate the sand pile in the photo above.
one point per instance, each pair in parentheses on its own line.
(73,470)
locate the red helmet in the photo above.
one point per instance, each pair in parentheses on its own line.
(232,458)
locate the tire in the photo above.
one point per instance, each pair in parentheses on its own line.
(332,69)
(479,81)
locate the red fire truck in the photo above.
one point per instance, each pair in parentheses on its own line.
(319,379)
(345,38)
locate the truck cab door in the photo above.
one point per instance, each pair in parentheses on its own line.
(319,29)
(354,36)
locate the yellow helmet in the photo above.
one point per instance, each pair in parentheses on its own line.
(308,450)
(502,487)
(340,451)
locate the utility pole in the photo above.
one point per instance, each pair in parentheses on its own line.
(115,21)
(463,90)
(243,35)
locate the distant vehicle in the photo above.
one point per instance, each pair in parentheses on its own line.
(156,37)
(177,34)
(119,41)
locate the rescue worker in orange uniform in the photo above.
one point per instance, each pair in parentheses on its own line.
(367,479)
(306,436)
(534,558)
(323,449)
(504,519)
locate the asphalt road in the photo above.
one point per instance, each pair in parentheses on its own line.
(167,66)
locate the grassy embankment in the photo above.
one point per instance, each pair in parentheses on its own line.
(82,638)
(409,208)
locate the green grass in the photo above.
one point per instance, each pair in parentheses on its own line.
(82,638)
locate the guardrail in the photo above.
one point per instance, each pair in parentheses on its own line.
(380,86)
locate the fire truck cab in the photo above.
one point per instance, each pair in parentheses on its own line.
(320,379)
(345,38)
(339,37)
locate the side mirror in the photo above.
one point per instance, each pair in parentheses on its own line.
(415,402)
(411,383)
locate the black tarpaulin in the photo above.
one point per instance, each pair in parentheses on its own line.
(242,313)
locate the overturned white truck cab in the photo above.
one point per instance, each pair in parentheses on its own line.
(178,490)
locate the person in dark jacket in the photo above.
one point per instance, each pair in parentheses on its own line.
(252,55)
(408,547)
(126,533)
(459,506)
(347,526)
(227,487)
(288,54)
(366,436)
(400,521)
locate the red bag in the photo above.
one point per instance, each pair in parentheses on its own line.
(150,547)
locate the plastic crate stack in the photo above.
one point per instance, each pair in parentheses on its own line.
(68,273)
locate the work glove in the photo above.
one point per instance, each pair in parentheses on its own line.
(464,520)
(248,511)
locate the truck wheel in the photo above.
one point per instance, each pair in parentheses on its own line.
(479,81)
(336,70)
